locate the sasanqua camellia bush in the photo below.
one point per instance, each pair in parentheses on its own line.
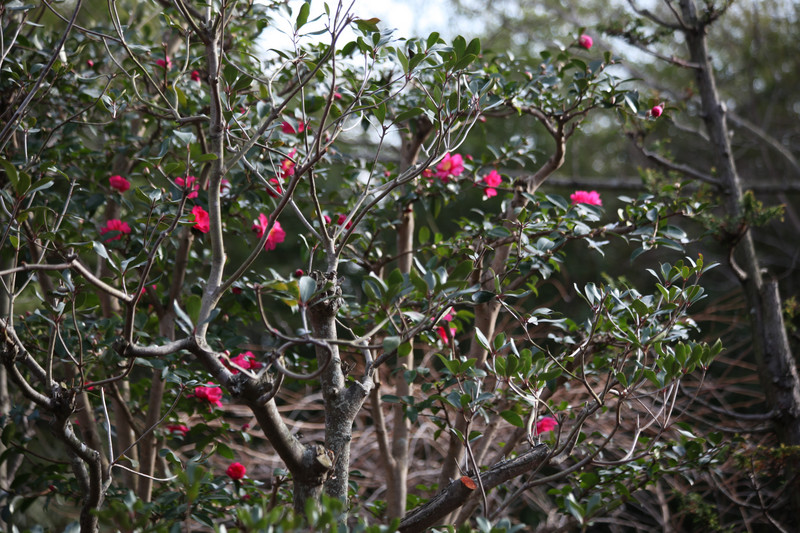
(199,228)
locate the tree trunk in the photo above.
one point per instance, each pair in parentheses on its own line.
(777,370)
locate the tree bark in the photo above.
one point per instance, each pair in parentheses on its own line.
(398,478)
(457,492)
(777,370)
(342,403)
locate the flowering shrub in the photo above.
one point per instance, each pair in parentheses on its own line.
(418,287)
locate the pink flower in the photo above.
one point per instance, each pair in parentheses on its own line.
(177,428)
(236,471)
(492,180)
(89,63)
(286,127)
(327,219)
(245,360)
(201,221)
(212,394)
(340,220)
(448,317)
(337,96)
(287,166)
(165,63)
(144,289)
(276,234)
(585,41)
(299,273)
(115,225)
(546,423)
(656,111)
(196,76)
(224,187)
(276,184)
(443,333)
(586,197)
(119,183)
(450,166)
(190,183)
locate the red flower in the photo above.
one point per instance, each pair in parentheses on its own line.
(115,225)
(195,76)
(189,183)
(144,289)
(201,221)
(236,471)
(546,423)
(656,111)
(299,273)
(443,333)
(340,220)
(441,329)
(286,127)
(492,180)
(89,63)
(212,394)
(276,234)
(119,183)
(165,63)
(276,184)
(177,428)
(450,166)
(326,218)
(585,41)
(586,197)
(246,361)
(287,165)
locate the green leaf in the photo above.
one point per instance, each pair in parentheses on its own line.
(482,340)
(513,418)
(390,344)
(100,250)
(183,320)
(474,47)
(11,172)
(308,286)
(404,349)
(482,297)
(302,16)
(424,234)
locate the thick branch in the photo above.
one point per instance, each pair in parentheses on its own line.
(457,492)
